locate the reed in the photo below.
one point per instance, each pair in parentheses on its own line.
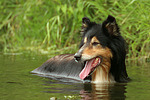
(54,26)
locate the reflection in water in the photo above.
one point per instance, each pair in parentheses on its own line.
(88,91)
(103,91)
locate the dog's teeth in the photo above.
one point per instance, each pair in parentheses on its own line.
(97,59)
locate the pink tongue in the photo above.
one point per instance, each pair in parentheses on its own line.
(88,67)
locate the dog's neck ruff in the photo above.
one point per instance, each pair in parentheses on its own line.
(102,75)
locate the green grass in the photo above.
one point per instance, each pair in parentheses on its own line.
(53,26)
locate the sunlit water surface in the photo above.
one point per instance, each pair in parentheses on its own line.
(16,83)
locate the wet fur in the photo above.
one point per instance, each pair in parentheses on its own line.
(97,40)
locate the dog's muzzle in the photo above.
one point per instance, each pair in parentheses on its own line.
(77,57)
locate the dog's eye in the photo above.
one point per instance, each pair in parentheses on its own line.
(95,43)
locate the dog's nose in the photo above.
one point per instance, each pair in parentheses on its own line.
(77,57)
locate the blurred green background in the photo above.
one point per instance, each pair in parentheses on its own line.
(53,26)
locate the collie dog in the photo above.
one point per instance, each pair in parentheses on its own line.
(100,58)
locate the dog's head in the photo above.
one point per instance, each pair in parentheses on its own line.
(98,44)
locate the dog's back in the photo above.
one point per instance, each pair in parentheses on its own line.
(61,66)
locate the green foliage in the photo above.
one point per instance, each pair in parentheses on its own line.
(53,26)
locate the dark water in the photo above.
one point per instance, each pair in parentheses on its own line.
(16,83)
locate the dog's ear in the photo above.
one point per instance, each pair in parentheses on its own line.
(85,24)
(110,26)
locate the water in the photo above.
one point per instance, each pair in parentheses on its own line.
(16,83)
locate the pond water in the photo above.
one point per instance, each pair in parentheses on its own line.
(16,83)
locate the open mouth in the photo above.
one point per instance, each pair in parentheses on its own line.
(89,67)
